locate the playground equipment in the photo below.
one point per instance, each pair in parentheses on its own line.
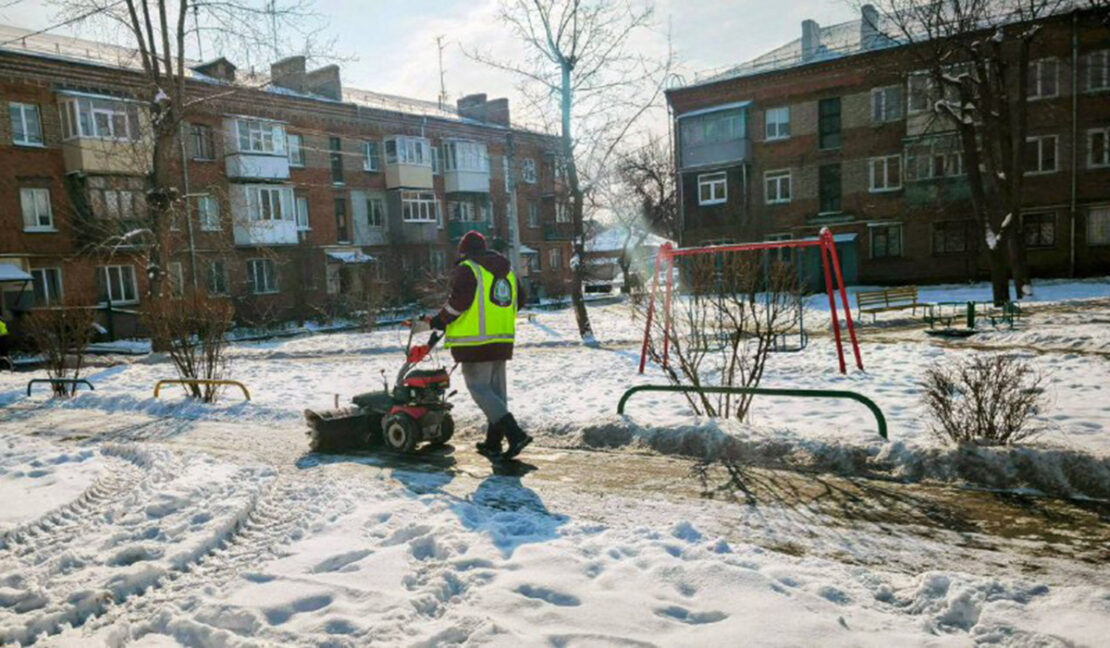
(665,261)
(188,381)
(880,419)
(59,381)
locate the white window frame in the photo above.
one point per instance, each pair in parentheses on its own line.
(116,204)
(253,266)
(370,156)
(1096,66)
(562,212)
(123,272)
(882,163)
(1104,229)
(871,242)
(302,216)
(467,211)
(259,137)
(528,170)
(924,93)
(533,214)
(211,271)
(208,213)
(1039,139)
(775,178)
(80,119)
(1036,89)
(1092,163)
(419,207)
(21,111)
(175,275)
(295,145)
(782,126)
(41,275)
(413,151)
(437,162)
(465,155)
(714,181)
(375,205)
(271,196)
(555,258)
(35,204)
(884,108)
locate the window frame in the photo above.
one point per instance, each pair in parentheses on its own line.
(1050,220)
(297,156)
(371,156)
(824,118)
(1039,139)
(79,118)
(23,107)
(303,224)
(528,170)
(839,189)
(284,202)
(778,175)
(533,214)
(106,272)
(223,279)
(202,143)
(884,115)
(50,299)
(941,227)
(405,148)
(1105,132)
(872,227)
(175,276)
(375,205)
(1104,67)
(885,161)
(262,136)
(779,124)
(35,192)
(420,207)
(204,214)
(712,180)
(562,213)
(1036,69)
(1105,213)
(252,275)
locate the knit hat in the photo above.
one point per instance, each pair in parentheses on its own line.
(472,243)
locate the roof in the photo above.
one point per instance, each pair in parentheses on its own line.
(350,256)
(9,272)
(613,240)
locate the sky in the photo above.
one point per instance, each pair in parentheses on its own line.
(390,46)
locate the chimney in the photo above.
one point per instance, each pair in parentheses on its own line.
(478,108)
(220,68)
(288,73)
(497,112)
(869,36)
(811,39)
(325,82)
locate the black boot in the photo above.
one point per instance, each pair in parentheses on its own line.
(491,447)
(518,438)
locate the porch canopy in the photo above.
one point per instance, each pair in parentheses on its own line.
(13,274)
(350,256)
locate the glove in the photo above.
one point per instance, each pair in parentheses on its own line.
(437,322)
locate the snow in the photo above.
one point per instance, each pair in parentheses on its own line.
(134,521)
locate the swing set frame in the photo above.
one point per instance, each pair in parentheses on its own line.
(830,263)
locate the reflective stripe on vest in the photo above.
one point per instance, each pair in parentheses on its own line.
(484,322)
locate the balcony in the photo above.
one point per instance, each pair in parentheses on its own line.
(466,181)
(264,233)
(722,152)
(558,231)
(408,163)
(417,233)
(116,157)
(257,166)
(256,149)
(457,229)
(408,176)
(465,167)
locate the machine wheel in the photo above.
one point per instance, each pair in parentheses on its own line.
(400,432)
(446,431)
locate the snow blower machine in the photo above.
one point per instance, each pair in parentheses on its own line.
(414,411)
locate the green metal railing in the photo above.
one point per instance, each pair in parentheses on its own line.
(880,419)
(59,381)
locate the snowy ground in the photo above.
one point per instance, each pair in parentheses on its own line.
(135,521)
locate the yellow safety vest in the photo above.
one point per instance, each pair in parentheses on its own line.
(3,328)
(491,317)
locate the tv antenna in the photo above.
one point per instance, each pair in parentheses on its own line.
(442,87)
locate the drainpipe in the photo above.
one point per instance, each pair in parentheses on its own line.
(1074,134)
(188,214)
(672,136)
(510,209)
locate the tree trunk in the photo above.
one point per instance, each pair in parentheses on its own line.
(1000,280)
(579,257)
(1019,265)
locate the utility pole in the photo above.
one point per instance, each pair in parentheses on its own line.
(442,86)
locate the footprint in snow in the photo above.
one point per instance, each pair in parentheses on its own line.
(340,562)
(681,614)
(548,595)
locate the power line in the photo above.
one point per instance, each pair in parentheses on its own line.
(64,23)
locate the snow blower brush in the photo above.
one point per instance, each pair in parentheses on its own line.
(414,411)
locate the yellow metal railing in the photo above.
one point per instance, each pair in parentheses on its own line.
(187,381)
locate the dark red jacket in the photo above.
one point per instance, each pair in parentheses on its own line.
(463,285)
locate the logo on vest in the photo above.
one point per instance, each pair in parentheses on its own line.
(502,293)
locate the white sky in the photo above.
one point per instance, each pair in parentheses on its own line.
(393,42)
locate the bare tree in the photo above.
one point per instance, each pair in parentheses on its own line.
(195,327)
(974,61)
(580,61)
(62,335)
(644,200)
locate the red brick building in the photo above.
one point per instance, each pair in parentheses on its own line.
(302,193)
(830,130)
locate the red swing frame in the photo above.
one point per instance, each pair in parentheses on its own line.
(830,262)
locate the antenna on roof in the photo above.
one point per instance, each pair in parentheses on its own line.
(196,27)
(442,87)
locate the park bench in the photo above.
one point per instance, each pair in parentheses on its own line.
(874,302)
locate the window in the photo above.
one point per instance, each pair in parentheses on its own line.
(216,277)
(886,173)
(438,260)
(460,155)
(369,156)
(419,207)
(1043,78)
(783,255)
(408,150)
(528,172)
(259,136)
(468,212)
(562,212)
(437,167)
(47,284)
(208,213)
(777,186)
(937,158)
(37,214)
(712,188)
(119,204)
(202,144)
(886,241)
(116,284)
(555,258)
(342,232)
(828,123)
(886,104)
(336,155)
(952,237)
(1098,225)
(261,276)
(301,203)
(296,150)
(1040,154)
(1098,70)
(828,188)
(1039,230)
(100,118)
(533,214)
(269,203)
(1098,147)
(533,262)
(375,212)
(26,125)
(777,123)
(921,93)
(713,138)
(175,278)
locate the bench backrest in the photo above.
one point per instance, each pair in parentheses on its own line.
(902,293)
(871,298)
(886,297)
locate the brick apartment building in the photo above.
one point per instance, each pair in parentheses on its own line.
(301,192)
(832,130)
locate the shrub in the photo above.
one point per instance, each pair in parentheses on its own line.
(986,400)
(194,328)
(62,336)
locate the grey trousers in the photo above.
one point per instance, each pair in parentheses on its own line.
(488,387)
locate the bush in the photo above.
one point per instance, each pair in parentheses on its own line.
(986,400)
(194,330)
(62,336)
